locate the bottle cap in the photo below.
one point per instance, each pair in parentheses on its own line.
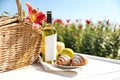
(49,16)
(49,12)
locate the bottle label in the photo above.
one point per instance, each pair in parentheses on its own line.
(50,47)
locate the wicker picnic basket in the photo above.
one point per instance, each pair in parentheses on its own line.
(19,43)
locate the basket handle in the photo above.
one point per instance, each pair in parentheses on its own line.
(19,10)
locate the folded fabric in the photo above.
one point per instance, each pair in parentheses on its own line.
(54,68)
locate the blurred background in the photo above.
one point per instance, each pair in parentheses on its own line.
(86,26)
(70,9)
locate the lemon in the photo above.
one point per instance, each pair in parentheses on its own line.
(60,47)
(68,51)
(57,53)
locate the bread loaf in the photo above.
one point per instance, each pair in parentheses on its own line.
(63,60)
(78,60)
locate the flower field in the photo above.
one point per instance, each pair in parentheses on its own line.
(100,39)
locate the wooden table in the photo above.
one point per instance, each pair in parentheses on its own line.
(96,69)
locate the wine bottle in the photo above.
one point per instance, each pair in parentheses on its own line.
(49,40)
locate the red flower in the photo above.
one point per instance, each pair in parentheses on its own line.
(100,22)
(59,21)
(27,19)
(67,20)
(35,16)
(108,22)
(87,21)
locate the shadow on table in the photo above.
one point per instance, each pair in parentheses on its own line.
(68,74)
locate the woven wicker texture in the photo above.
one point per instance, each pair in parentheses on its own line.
(19,43)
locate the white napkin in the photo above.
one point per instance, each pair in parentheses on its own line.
(53,69)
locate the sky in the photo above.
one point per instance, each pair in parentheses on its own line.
(71,9)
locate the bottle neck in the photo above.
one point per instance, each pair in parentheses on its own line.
(49,17)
